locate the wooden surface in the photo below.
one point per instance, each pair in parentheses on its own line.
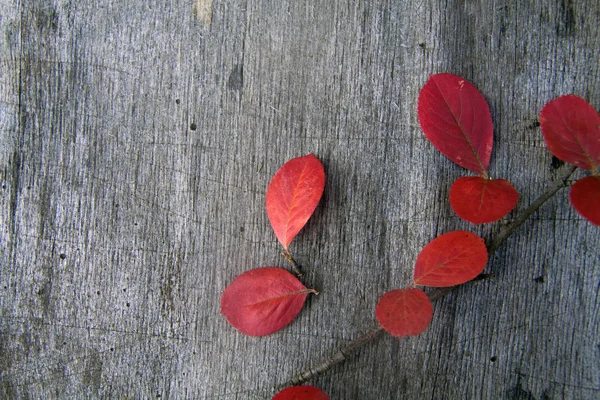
(137,142)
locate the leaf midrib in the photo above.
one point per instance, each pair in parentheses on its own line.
(462,131)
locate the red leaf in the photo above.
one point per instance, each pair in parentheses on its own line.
(301,393)
(451,259)
(293,195)
(263,300)
(456,118)
(479,200)
(571,129)
(404,312)
(585,198)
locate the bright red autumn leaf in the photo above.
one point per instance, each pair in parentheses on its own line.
(301,393)
(404,312)
(293,195)
(480,200)
(571,129)
(450,259)
(456,118)
(263,300)
(585,198)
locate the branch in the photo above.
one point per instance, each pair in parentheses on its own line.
(509,229)
(340,356)
(347,351)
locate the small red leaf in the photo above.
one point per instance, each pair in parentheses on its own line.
(571,129)
(293,195)
(263,300)
(404,312)
(456,118)
(451,259)
(301,393)
(585,198)
(480,201)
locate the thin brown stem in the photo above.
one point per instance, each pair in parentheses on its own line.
(344,353)
(518,221)
(288,256)
(339,357)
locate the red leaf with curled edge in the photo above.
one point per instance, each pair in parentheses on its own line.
(456,119)
(404,312)
(585,198)
(450,259)
(480,201)
(293,195)
(571,129)
(301,393)
(263,300)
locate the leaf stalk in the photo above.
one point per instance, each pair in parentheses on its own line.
(288,256)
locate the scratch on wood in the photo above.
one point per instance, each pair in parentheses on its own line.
(203,11)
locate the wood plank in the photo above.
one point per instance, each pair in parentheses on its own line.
(137,143)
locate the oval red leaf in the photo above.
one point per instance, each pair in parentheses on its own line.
(456,118)
(451,259)
(301,393)
(293,195)
(404,312)
(480,201)
(263,300)
(585,198)
(571,129)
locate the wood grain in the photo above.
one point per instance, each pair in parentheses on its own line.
(136,147)
(203,11)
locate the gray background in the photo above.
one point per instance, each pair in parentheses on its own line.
(137,142)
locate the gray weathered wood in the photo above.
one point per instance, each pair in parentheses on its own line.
(136,146)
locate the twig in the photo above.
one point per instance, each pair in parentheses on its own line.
(340,356)
(288,256)
(347,351)
(509,229)
(344,353)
